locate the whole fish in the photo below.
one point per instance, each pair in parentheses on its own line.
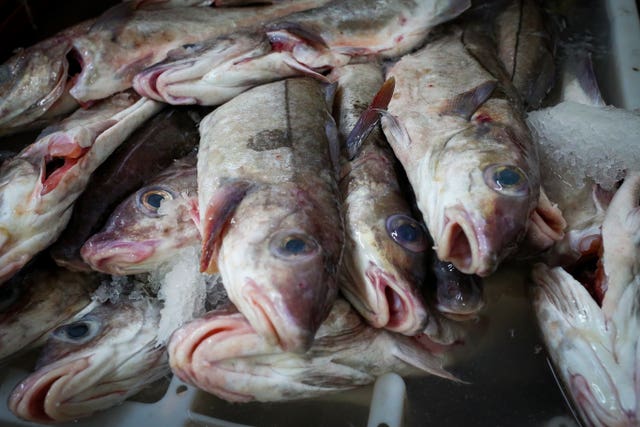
(39,186)
(468,155)
(33,305)
(98,58)
(269,214)
(526,50)
(593,341)
(458,296)
(147,228)
(168,136)
(385,247)
(305,43)
(222,354)
(93,363)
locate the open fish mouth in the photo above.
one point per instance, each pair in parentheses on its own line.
(397,309)
(460,244)
(117,257)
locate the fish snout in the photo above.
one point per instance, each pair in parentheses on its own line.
(105,253)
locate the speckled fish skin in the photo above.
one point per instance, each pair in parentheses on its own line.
(466,151)
(304,43)
(34,305)
(93,363)
(140,236)
(39,186)
(525,48)
(168,136)
(594,347)
(269,211)
(382,274)
(238,365)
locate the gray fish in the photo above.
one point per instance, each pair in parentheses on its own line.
(33,305)
(147,228)
(39,186)
(93,363)
(222,354)
(269,214)
(305,43)
(386,248)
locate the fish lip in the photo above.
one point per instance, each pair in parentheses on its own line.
(479,260)
(115,257)
(410,318)
(21,401)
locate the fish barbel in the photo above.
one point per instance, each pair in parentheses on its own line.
(168,136)
(305,43)
(93,363)
(593,342)
(268,200)
(385,247)
(222,354)
(39,186)
(33,305)
(146,229)
(467,152)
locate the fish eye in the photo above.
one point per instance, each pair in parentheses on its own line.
(78,332)
(509,180)
(9,294)
(407,232)
(292,245)
(151,199)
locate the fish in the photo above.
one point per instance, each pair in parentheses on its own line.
(458,296)
(168,136)
(222,354)
(592,337)
(39,186)
(269,207)
(150,225)
(459,133)
(386,247)
(308,42)
(99,57)
(33,304)
(93,363)
(525,47)
(167,4)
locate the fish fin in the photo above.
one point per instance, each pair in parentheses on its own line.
(579,81)
(546,225)
(394,130)
(304,69)
(467,103)
(113,19)
(411,354)
(219,211)
(369,118)
(299,32)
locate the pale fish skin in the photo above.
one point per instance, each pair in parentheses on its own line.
(269,207)
(151,224)
(305,43)
(39,186)
(32,306)
(459,133)
(222,354)
(385,247)
(94,363)
(594,346)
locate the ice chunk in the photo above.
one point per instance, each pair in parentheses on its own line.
(581,143)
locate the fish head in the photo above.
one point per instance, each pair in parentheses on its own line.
(146,228)
(92,363)
(485,195)
(34,304)
(458,295)
(385,264)
(278,262)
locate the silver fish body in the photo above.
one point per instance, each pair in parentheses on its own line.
(269,213)
(147,228)
(39,186)
(466,151)
(93,363)
(385,247)
(37,303)
(237,364)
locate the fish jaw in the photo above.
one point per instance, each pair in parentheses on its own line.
(458,295)
(105,253)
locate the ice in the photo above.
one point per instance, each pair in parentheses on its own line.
(579,143)
(113,288)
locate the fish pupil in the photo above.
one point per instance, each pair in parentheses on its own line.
(77,330)
(155,199)
(407,233)
(295,246)
(507,177)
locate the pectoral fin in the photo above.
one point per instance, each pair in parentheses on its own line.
(467,103)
